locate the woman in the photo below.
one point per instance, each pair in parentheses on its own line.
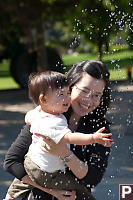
(89,81)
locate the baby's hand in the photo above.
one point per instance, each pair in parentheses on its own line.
(102,138)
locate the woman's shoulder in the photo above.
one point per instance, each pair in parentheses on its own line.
(22,141)
(25,136)
(26,130)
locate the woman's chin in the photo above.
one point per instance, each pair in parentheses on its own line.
(85,110)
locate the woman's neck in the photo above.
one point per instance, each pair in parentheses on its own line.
(74,121)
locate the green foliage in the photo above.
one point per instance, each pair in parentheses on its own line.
(98,20)
(130,32)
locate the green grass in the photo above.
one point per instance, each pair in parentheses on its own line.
(116,62)
(121,58)
(6,81)
(69,60)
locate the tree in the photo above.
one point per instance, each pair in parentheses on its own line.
(98,19)
(130,40)
(32,16)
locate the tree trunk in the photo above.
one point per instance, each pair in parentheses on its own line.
(106,46)
(100,51)
(42,64)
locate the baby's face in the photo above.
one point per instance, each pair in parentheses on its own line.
(58,100)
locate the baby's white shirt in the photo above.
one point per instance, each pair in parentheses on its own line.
(49,125)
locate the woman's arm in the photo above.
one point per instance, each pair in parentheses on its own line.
(97,159)
(96,167)
(14,159)
(78,167)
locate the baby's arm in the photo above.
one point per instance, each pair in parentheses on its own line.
(86,139)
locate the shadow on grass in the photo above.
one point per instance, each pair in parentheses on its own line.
(4,74)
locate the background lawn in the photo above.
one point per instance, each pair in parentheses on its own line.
(116,62)
(6,81)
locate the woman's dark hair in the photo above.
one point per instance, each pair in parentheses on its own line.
(97,70)
(41,82)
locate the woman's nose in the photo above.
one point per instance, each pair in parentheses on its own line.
(89,95)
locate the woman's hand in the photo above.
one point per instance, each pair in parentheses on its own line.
(63,194)
(49,146)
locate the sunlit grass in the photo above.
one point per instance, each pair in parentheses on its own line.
(113,59)
(72,59)
(4,68)
(118,74)
(6,81)
(116,61)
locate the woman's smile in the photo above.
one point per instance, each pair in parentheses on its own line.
(85,107)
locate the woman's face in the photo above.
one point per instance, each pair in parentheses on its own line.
(86,95)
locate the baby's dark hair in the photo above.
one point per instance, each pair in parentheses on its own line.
(41,82)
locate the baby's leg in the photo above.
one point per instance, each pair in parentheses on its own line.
(17,189)
(57,180)
(8,197)
(10,190)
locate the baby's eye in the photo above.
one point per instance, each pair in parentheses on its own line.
(69,93)
(61,94)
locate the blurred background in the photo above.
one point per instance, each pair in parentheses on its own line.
(36,35)
(39,35)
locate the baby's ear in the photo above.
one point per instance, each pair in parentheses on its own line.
(42,98)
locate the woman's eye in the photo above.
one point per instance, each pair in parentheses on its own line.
(84,91)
